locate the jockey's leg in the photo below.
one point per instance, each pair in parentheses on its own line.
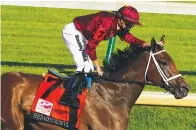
(70,97)
(77,87)
(76,44)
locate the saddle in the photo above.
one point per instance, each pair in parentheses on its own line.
(49,107)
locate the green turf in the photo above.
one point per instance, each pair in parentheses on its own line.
(162,118)
(31,42)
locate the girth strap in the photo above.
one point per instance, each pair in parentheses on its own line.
(72,118)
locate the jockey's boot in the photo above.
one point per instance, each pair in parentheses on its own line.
(70,97)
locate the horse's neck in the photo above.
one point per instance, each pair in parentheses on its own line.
(133,73)
(129,93)
(117,95)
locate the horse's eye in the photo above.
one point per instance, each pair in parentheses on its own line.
(163,62)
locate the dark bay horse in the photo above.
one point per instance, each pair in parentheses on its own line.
(108,103)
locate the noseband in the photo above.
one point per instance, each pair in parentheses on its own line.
(162,74)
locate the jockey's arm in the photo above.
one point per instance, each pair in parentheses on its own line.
(131,39)
(91,51)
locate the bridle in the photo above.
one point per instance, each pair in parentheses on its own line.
(162,74)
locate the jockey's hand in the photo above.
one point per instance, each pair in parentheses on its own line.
(145,45)
(100,72)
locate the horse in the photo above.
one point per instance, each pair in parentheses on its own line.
(109,102)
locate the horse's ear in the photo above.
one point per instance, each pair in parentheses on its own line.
(153,44)
(162,41)
(163,38)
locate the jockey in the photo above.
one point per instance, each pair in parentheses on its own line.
(83,35)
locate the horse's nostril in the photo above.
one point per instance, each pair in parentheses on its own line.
(184,91)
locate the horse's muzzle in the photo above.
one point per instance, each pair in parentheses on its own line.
(181,91)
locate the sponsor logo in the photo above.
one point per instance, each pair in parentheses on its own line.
(44,107)
(60,111)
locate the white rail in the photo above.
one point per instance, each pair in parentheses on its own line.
(165,99)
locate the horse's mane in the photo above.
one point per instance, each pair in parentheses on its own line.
(120,58)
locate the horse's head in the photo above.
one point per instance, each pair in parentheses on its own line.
(161,70)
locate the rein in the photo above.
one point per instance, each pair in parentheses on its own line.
(129,82)
(162,74)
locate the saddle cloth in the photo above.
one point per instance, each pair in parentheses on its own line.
(46,107)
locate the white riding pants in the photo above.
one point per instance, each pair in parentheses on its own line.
(76,44)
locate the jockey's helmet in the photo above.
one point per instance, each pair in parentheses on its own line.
(129,14)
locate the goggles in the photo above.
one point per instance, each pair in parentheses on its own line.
(129,25)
